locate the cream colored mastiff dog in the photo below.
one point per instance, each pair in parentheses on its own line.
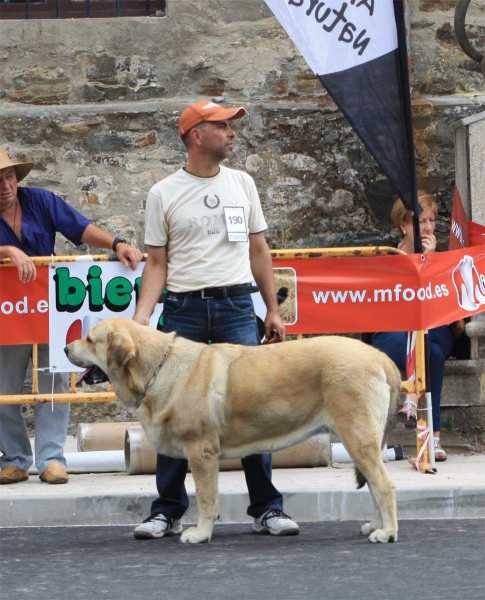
(208,402)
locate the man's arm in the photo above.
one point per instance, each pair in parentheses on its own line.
(152,283)
(128,255)
(23,262)
(262,269)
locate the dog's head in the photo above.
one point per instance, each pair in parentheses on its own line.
(108,345)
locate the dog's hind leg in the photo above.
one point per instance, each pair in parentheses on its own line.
(384,496)
(376,521)
(203,457)
(366,454)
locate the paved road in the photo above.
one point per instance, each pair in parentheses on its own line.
(442,560)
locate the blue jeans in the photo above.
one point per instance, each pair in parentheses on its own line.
(213,321)
(440,346)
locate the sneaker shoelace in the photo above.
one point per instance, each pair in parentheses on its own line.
(164,519)
(275,512)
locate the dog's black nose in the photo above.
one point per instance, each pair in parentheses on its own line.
(66,350)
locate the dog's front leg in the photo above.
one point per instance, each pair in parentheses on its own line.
(203,459)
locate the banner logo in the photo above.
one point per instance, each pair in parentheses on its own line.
(71,292)
(469,285)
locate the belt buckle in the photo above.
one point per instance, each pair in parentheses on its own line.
(204,297)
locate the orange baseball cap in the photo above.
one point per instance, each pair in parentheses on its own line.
(206,110)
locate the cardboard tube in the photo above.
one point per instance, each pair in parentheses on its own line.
(140,458)
(314,452)
(93,437)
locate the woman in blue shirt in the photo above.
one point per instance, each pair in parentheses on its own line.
(440,339)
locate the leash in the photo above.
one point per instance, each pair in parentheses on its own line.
(151,381)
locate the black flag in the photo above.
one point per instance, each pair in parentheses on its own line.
(357,49)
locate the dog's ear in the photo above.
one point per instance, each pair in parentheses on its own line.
(120,349)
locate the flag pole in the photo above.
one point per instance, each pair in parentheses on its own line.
(408,118)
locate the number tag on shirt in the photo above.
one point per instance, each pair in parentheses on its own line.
(236,224)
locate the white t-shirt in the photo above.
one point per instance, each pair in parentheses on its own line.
(186,214)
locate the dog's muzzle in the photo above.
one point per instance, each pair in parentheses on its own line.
(92,376)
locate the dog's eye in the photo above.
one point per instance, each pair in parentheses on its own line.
(88,339)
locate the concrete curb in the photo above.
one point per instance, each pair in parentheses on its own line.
(311,494)
(51,510)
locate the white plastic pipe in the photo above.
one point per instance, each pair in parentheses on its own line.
(109,461)
(340,454)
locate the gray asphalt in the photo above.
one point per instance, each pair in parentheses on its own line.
(441,559)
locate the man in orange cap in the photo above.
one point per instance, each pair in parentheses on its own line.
(205,237)
(29,221)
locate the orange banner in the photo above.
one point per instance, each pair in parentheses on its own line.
(464,233)
(389,293)
(24,308)
(321,295)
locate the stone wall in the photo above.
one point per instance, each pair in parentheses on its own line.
(95,103)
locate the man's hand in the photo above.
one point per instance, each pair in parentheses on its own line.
(24,264)
(141,319)
(274,330)
(128,255)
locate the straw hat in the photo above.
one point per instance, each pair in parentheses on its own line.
(21,168)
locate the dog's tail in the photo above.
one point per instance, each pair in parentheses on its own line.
(393,377)
(359,478)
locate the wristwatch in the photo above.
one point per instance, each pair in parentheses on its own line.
(117,241)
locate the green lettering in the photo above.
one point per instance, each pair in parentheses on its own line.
(95,289)
(70,291)
(137,289)
(118,294)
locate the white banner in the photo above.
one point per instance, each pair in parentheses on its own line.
(334,35)
(81,294)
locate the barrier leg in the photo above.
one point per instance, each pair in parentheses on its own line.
(424,429)
(35,367)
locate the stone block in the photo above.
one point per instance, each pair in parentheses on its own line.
(76,157)
(242,10)
(100,68)
(107,143)
(108,161)
(464,383)
(40,85)
(254,163)
(148,140)
(299,163)
(477,170)
(80,127)
(437,5)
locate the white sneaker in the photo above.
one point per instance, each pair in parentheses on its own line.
(275,521)
(157,527)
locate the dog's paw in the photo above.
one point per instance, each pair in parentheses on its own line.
(367,529)
(194,535)
(383,536)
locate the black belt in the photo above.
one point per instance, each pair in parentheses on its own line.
(219,293)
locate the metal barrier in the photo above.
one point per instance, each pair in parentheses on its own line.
(79,9)
(414,386)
